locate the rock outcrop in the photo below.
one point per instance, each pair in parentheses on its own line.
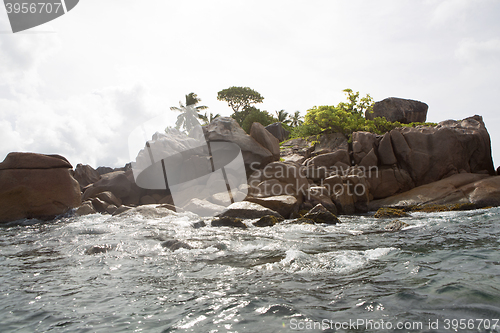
(479,189)
(265,139)
(120,183)
(248,210)
(227,129)
(398,109)
(278,131)
(86,175)
(409,157)
(36,186)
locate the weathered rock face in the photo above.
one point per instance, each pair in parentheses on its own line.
(329,159)
(279,178)
(285,205)
(431,153)
(278,131)
(227,129)
(320,214)
(296,150)
(248,210)
(462,188)
(266,139)
(409,157)
(36,186)
(86,175)
(329,142)
(398,109)
(120,183)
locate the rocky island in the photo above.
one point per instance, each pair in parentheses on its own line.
(447,166)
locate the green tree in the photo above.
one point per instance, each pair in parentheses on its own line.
(239,98)
(207,118)
(356,105)
(282,117)
(189,112)
(256,115)
(296,119)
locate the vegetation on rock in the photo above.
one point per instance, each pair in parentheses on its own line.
(390,212)
(443,208)
(346,118)
(267,221)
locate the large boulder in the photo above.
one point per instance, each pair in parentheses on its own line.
(278,131)
(266,139)
(120,183)
(36,186)
(413,156)
(398,109)
(461,188)
(86,175)
(248,210)
(429,154)
(227,129)
(285,205)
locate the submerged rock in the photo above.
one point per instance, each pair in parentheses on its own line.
(320,214)
(99,249)
(395,225)
(390,212)
(267,221)
(147,211)
(228,222)
(174,244)
(443,208)
(248,210)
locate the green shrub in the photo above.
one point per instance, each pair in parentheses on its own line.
(256,115)
(346,118)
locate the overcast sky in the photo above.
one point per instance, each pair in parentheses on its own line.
(78,85)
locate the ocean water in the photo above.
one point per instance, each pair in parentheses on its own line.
(98,273)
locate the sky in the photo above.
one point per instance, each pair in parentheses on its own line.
(78,85)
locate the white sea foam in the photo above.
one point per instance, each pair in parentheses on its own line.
(344,261)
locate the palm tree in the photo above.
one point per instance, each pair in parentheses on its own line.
(207,118)
(189,112)
(296,119)
(282,116)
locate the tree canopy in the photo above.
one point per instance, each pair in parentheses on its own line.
(239,98)
(256,115)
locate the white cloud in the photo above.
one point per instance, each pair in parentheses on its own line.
(479,52)
(91,128)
